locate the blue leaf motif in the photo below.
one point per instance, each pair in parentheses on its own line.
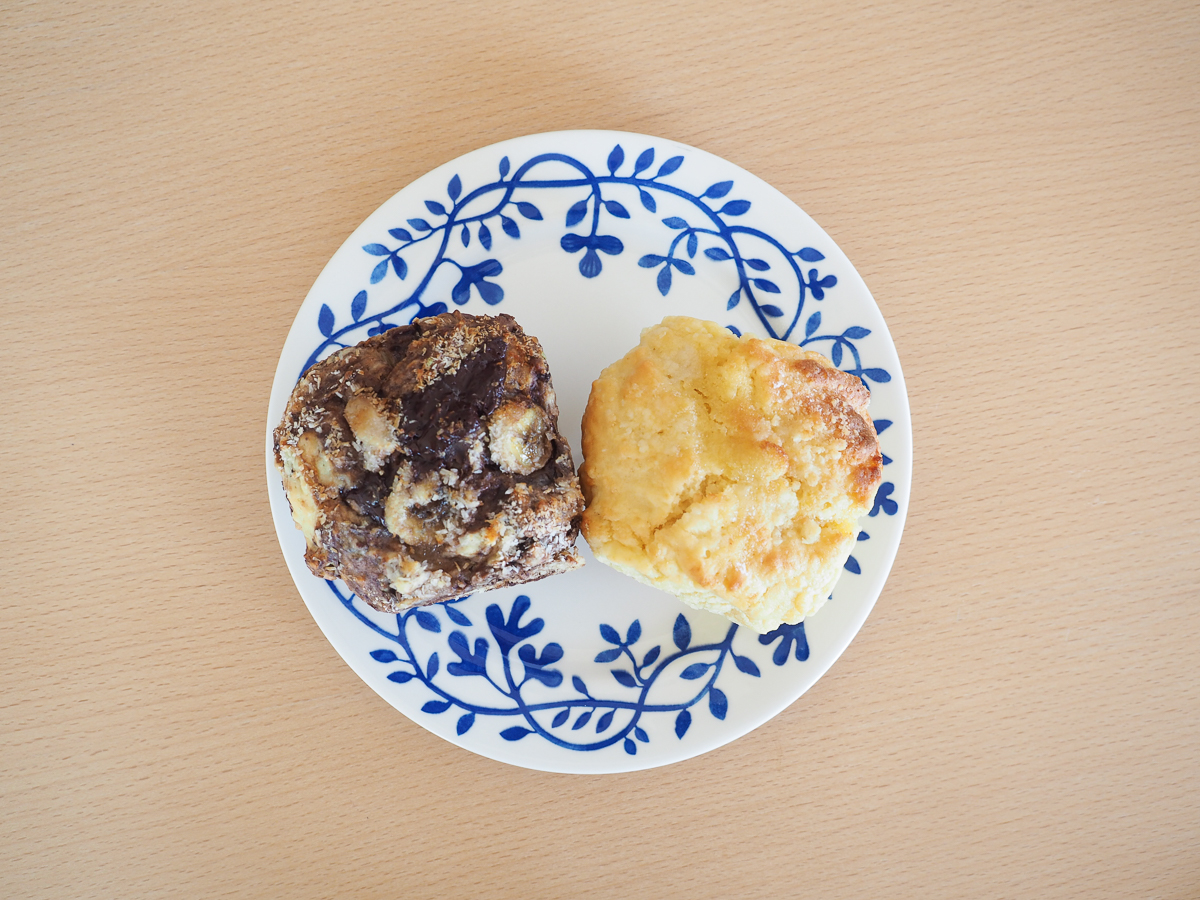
(682,722)
(675,222)
(420,225)
(771,310)
(615,159)
(616,209)
(582,720)
(428,621)
(641,735)
(358,305)
(718,190)
(647,200)
(733,301)
(852,565)
(529,211)
(490,292)
(692,244)
(455,615)
(645,158)
(591,264)
(883,501)
(737,332)
(735,208)
(538,666)
(471,663)
(624,678)
(379,271)
(325,320)
(610,634)
(578,684)
(383,656)
(630,747)
(681,633)
(377,249)
(882,425)
(863,536)
(717,253)
(576,213)
(516,732)
(436,706)
(485,236)
(664,280)
(400,234)
(454,188)
(650,260)
(683,266)
(813,323)
(400,677)
(607,656)
(434,207)
(817,286)
(760,265)
(769,287)
(718,703)
(608,243)
(651,656)
(835,354)
(787,635)
(433,666)
(510,633)
(746,664)
(808,254)
(604,721)
(503,166)
(510,227)
(694,671)
(400,266)
(669,166)
(879,375)
(465,236)
(560,718)
(855,332)
(465,722)
(634,632)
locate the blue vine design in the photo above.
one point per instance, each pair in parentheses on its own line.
(552,719)
(504,209)
(708,237)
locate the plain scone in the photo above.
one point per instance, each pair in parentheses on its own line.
(730,472)
(425,463)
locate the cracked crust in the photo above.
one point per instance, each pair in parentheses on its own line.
(425,463)
(728,471)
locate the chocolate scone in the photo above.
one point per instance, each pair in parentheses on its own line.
(425,463)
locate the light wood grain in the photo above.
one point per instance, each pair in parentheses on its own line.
(1018,183)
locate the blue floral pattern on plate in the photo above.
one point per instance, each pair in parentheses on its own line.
(526,684)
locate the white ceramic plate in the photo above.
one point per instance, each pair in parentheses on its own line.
(586,237)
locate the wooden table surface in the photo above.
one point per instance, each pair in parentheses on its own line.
(1019,184)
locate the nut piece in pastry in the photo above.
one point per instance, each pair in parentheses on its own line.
(425,463)
(730,472)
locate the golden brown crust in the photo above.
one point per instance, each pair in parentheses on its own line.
(425,463)
(730,472)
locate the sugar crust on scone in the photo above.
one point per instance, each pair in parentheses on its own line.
(730,472)
(425,463)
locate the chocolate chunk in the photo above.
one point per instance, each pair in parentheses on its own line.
(425,463)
